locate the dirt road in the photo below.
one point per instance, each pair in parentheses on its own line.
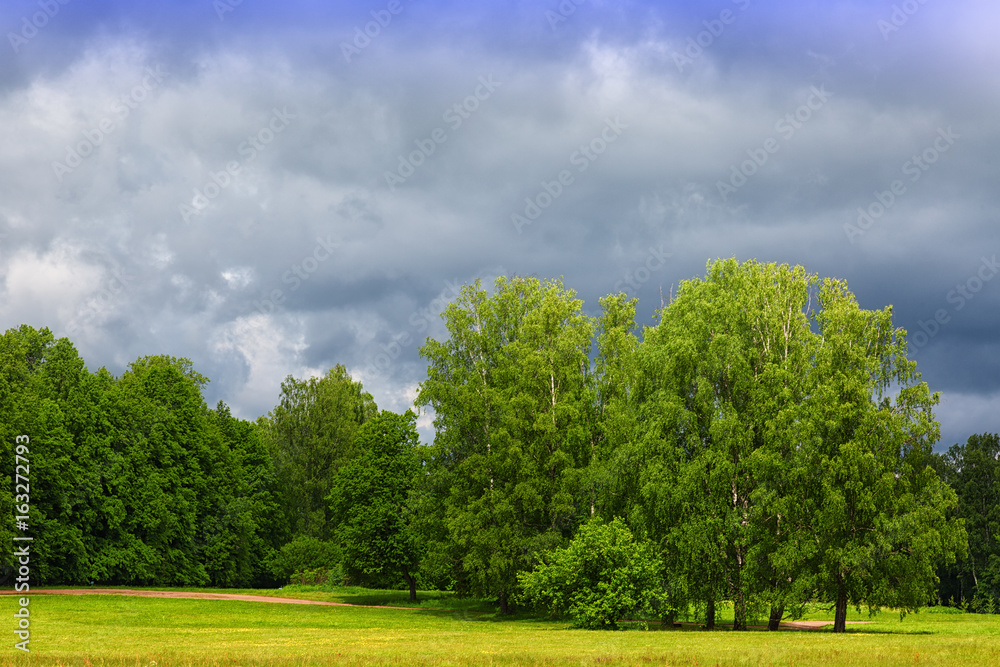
(191,595)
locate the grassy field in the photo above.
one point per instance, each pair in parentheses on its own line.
(117,630)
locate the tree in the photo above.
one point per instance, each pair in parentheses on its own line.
(134,479)
(603,575)
(311,433)
(882,525)
(513,413)
(614,389)
(47,395)
(240,527)
(973,470)
(719,382)
(770,459)
(369,501)
(152,458)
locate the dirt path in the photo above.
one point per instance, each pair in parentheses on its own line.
(193,595)
(812,625)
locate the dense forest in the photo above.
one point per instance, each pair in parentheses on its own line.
(766,443)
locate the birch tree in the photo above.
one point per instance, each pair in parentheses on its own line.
(512,403)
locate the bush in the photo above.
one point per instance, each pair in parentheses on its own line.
(603,575)
(984,603)
(304,554)
(317,577)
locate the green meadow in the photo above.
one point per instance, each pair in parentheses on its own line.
(441,630)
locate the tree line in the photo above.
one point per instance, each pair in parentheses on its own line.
(765,443)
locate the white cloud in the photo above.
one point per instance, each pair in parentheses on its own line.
(238,277)
(271,350)
(48,287)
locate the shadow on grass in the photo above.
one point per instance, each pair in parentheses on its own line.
(884,631)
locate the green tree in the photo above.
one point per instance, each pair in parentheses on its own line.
(603,575)
(311,434)
(882,525)
(973,470)
(770,458)
(46,394)
(240,526)
(513,413)
(151,458)
(615,419)
(717,394)
(370,501)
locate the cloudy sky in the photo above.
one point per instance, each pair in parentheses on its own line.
(273,188)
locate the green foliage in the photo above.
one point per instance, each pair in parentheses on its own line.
(369,502)
(514,413)
(883,523)
(310,435)
(710,456)
(973,470)
(779,448)
(317,576)
(304,553)
(768,436)
(133,479)
(603,575)
(241,524)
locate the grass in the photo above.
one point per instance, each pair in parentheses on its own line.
(118,630)
(355,595)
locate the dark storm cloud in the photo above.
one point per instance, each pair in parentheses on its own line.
(276,188)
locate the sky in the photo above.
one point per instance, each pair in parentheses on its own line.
(271,189)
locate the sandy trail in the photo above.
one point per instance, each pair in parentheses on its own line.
(812,625)
(193,595)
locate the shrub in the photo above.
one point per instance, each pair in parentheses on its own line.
(317,577)
(603,575)
(304,554)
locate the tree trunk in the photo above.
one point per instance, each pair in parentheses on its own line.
(775,620)
(412,582)
(710,616)
(739,612)
(504,606)
(840,617)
